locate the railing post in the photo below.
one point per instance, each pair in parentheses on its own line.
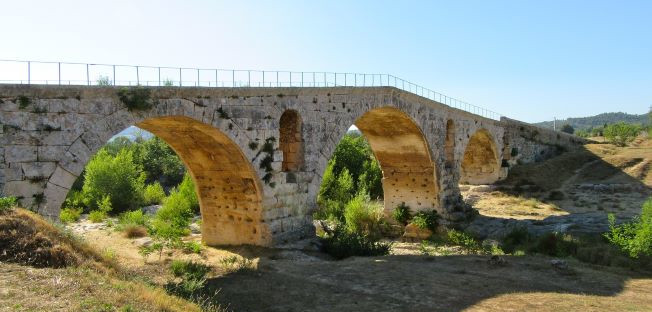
(249,78)
(88,77)
(137,76)
(198,77)
(180,84)
(233,77)
(114,82)
(159,76)
(216,78)
(29,72)
(302,79)
(59,71)
(263,78)
(278,83)
(335,79)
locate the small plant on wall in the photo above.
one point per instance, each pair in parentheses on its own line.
(266,163)
(137,98)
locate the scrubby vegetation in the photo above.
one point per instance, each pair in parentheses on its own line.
(621,133)
(635,237)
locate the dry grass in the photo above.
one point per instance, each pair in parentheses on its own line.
(135,231)
(53,270)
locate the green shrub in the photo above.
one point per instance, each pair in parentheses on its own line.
(176,210)
(462,239)
(68,215)
(516,239)
(426,220)
(621,133)
(137,98)
(343,244)
(364,216)
(136,218)
(335,191)
(192,247)
(555,244)
(187,190)
(118,177)
(635,237)
(189,269)
(153,194)
(402,214)
(102,212)
(7,203)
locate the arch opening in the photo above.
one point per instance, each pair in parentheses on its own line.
(408,172)
(291,141)
(227,187)
(480,163)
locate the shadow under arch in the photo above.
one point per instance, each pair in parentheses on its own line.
(228,189)
(480,164)
(409,174)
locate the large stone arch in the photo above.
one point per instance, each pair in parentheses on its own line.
(480,163)
(229,190)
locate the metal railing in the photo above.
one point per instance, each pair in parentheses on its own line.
(65,73)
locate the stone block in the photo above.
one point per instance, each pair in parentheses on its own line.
(62,178)
(20,153)
(35,170)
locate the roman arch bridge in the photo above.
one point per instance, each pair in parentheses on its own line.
(257,155)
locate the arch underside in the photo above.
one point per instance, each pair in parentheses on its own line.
(229,193)
(480,163)
(401,149)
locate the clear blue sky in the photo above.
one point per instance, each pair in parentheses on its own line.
(530,60)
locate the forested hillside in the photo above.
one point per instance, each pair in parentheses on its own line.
(597,120)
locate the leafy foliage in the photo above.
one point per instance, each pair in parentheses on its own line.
(402,214)
(621,133)
(343,244)
(153,194)
(364,216)
(633,238)
(7,203)
(100,214)
(70,214)
(426,220)
(137,98)
(118,177)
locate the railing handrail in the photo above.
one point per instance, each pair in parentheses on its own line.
(308,79)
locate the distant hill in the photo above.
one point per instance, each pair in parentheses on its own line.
(597,120)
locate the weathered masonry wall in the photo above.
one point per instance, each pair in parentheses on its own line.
(257,172)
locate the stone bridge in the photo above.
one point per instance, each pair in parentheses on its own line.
(257,155)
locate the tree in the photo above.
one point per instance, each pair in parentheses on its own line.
(621,133)
(567,128)
(118,177)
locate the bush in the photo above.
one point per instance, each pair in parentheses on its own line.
(556,245)
(176,210)
(334,192)
(517,238)
(567,128)
(364,216)
(187,190)
(426,220)
(137,98)
(463,239)
(118,177)
(189,269)
(136,217)
(7,203)
(68,215)
(343,244)
(633,238)
(621,133)
(102,212)
(402,214)
(154,194)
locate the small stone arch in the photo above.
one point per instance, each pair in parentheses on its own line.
(399,145)
(480,164)
(291,141)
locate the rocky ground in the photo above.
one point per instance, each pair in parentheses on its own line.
(572,193)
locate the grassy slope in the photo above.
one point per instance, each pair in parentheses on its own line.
(86,281)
